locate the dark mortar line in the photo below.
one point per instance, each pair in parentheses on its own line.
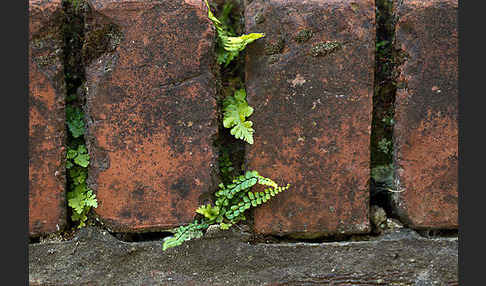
(438,233)
(364,237)
(274,239)
(265,239)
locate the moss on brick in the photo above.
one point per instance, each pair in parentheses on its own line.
(325,48)
(303,36)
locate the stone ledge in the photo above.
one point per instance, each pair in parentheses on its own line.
(94,257)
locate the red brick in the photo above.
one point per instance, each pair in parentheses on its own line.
(153,114)
(312,114)
(47,203)
(426,114)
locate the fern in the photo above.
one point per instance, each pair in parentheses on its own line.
(81,199)
(232,201)
(74,120)
(229,45)
(80,156)
(235,198)
(208,211)
(236,110)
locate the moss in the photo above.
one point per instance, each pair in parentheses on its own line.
(38,43)
(325,48)
(303,36)
(99,41)
(276,47)
(46,45)
(354,7)
(259,18)
(272,59)
(47,60)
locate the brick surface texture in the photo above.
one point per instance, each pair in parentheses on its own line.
(47,205)
(153,114)
(310,81)
(426,130)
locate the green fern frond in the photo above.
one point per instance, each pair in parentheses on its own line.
(217,23)
(230,44)
(184,233)
(258,198)
(266,182)
(238,44)
(74,121)
(225,15)
(232,201)
(236,110)
(81,199)
(253,199)
(224,226)
(240,183)
(236,198)
(208,211)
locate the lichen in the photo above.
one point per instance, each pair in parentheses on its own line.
(276,47)
(325,48)
(303,36)
(47,60)
(272,59)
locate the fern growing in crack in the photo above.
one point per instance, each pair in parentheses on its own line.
(80,198)
(232,201)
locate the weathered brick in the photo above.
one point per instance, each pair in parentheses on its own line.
(310,81)
(152,111)
(47,204)
(426,114)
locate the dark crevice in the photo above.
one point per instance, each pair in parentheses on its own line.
(73,34)
(141,237)
(438,233)
(382,162)
(390,233)
(33,240)
(272,239)
(74,77)
(231,150)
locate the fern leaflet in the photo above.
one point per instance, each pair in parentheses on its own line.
(236,110)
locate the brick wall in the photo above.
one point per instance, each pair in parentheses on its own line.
(152,115)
